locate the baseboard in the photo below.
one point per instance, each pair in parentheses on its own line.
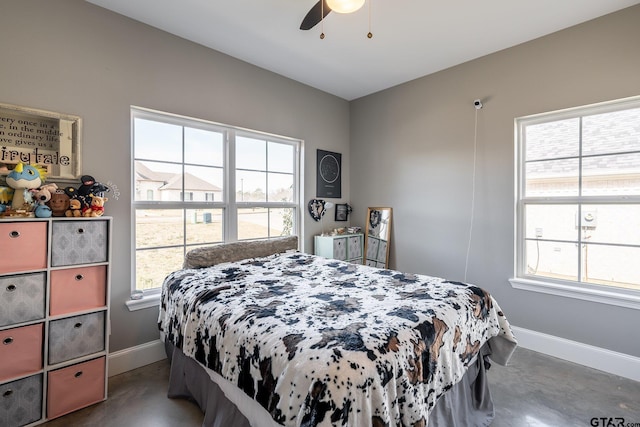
(136,357)
(602,359)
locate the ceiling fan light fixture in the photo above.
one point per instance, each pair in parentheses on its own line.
(345,6)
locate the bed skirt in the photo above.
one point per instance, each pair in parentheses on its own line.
(467,403)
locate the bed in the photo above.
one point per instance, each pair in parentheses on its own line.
(259,335)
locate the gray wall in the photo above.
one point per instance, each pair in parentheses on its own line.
(412,149)
(76,58)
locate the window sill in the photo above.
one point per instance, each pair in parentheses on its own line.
(147,301)
(593,294)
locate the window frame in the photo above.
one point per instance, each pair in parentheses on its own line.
(612,295)
(228,203)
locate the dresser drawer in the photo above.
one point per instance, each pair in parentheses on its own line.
(24,246)
(20,351)
(75,387)
(76,336)
(340,248)
(21,401)
(22,298)
(78,242)
(77,289)
(354,247)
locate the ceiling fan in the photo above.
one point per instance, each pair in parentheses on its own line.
(321,9)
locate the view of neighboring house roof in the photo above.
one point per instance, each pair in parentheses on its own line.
(173,181)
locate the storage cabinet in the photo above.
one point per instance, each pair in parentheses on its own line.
(54,317)
(345,247)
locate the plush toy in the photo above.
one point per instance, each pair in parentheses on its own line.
(91,187)
(96,207)
(23,178)
(75,208)
(6,195)
(59,202)
(41,196)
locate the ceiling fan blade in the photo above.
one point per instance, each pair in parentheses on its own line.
(315,15)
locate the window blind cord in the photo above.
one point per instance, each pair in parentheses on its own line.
(473,193)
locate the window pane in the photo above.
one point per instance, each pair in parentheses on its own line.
(251,186)
(157,141)
(203,147)
(611,265)
(161,181)
(552,140)
(619,224)
(251,153)
(613,132)
(201,180)
(153,265)
(204,226)
(552,178)
(280,187)
(253,223)
(159,227)
(551,222)
(280,157)
(611,175)
(281,222)
(552,259)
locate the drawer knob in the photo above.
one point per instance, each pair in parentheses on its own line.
(80,230)
(14,234)
(7,393)
(78,374)
(11,288)
(7,341)
(78,325)
(79,277)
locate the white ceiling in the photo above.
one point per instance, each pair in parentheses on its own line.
(411,38)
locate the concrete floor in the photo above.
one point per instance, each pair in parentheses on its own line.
(533,391)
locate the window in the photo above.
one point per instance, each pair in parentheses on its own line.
(200,183)
(578,205)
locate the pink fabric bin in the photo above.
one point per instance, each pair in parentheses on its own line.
(77,289)
(20,351)
(75,387)
(24,246)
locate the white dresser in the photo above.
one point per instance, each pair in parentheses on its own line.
(345,247)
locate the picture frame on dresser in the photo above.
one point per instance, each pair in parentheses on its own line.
(54,316)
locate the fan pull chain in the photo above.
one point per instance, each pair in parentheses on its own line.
(369,34)
(322,20)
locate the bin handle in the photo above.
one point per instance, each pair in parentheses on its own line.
(7,341)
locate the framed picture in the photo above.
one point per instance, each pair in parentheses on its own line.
(50,140)
(342,212)
(329,174)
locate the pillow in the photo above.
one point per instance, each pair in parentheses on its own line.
(235,251)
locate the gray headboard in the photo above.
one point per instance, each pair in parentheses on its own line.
(229,252)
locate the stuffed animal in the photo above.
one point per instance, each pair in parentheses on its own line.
(59,202)
(41,196)
(96,207)
(23,178)
(75,208)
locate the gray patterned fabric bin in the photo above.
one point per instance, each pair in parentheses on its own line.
(78,242)
(21,401)
(76,336)
(22,298)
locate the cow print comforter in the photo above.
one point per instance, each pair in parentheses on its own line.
(320,342)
